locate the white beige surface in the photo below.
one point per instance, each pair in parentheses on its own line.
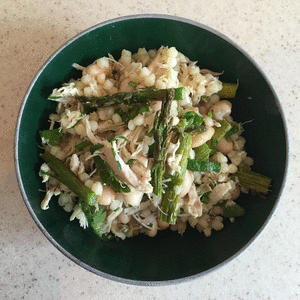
(31,268)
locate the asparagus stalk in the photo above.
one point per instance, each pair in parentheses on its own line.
(161,130)
(171,198)
(143,96)
(228,90)
(253,181)
(68,178)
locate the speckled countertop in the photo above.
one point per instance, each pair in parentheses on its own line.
(31,268)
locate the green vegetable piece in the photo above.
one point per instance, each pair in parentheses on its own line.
(190,118)
(253,181)
(132,84)
(119,137)
(130,162)
(233,211)
(95,217)
(161,130)
(115,156)
(52,137)
(202,152)
(95,147)
(68,178)
(205,198)
(221,131)
(234,129)
(171,197)
(83,145)
(228,90)
(143,96)
(108,178)
(203,166)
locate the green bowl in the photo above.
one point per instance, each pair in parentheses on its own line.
(169,257)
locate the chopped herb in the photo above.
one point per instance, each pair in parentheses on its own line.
(130,162)
(119,111)
(205,198)
(132,84)
(117,161)
(52,136)
(133,112)
(234,129)
(233,211)
(209,114)
(108,178)
(118,137)
(150,133)
(95,217)
(203,166)
(190,119)
(83,145)
(95,148)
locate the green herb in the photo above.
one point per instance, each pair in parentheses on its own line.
(190,119)
(130,162)
(205,198)
(117,161)
(54,97)
(52,137)
(132,84)
(95,217)
(150,133)
(96,147)
(108,178)
(133,112)
(234,129)
(203,166)
(233,211)
(119,137)
(209,114)
(83,145)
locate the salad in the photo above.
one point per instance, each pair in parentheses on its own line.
(146,143)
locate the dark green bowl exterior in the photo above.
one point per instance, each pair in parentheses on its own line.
(169,256)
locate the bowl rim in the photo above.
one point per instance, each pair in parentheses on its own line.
(88,267)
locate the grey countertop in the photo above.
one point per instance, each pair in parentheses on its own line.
(31,267)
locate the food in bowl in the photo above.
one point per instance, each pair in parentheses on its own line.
(146,143)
